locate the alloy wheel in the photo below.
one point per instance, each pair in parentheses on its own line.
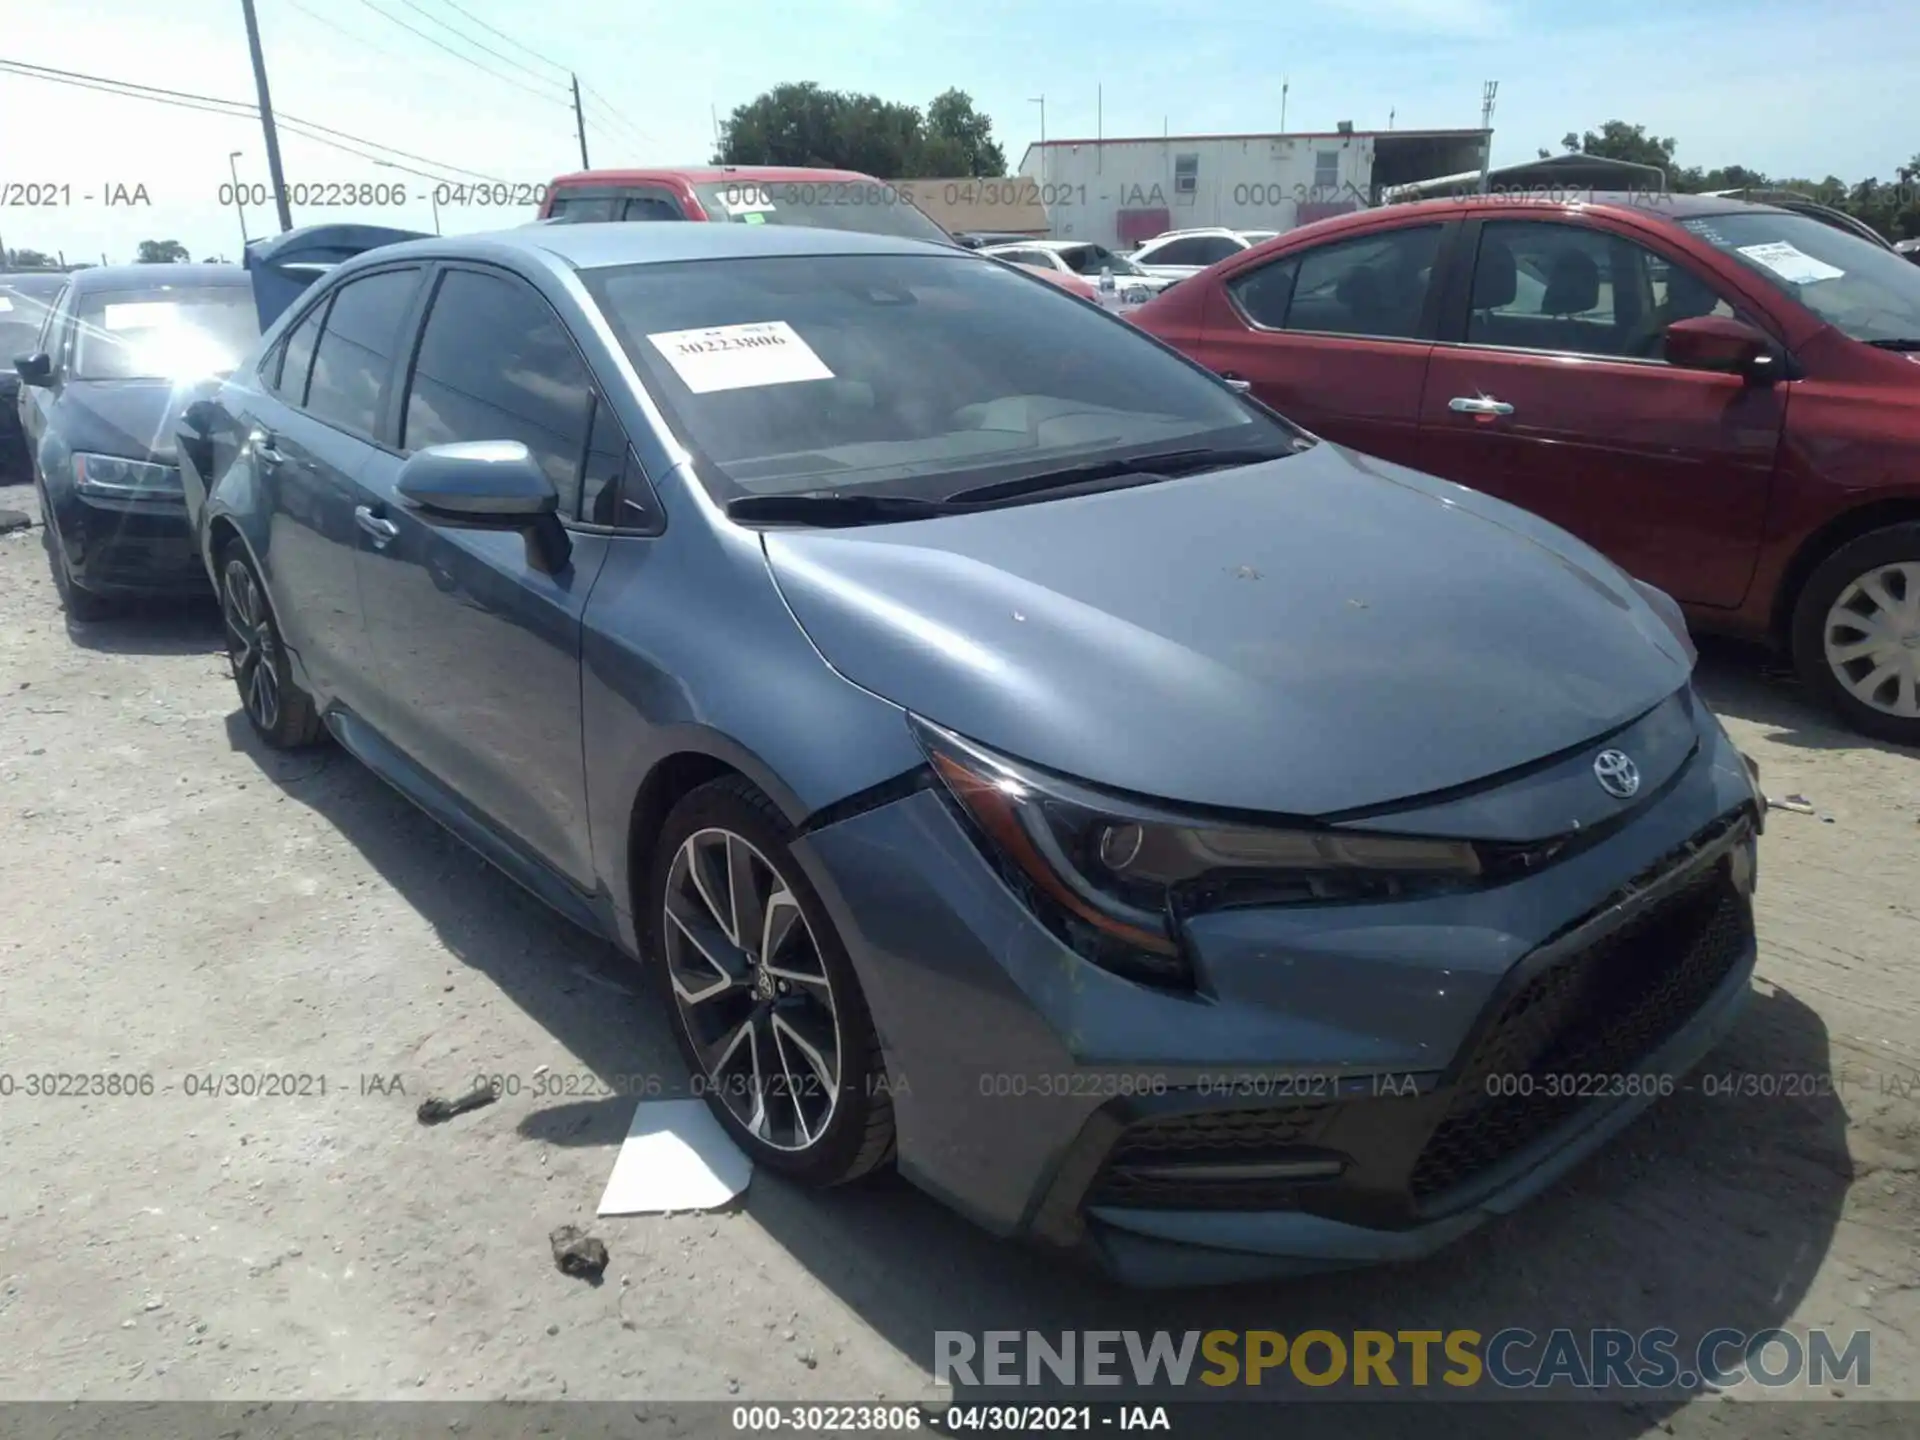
(250,645)
(1872,639)
(752,990)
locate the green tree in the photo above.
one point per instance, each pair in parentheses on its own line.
(803,124)
(959,133)
(162,252)
(1617,140)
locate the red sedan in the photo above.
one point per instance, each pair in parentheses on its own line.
(1724,398)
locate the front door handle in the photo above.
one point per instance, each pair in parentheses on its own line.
(1238,382)
(266,447)
(1478,405)
(381,530)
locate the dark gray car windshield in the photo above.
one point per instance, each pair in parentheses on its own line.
(176,332)
(1868,292)
(911,374)
(871,206)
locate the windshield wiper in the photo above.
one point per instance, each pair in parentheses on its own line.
(1144,469)
(1903,344)
(842,507)
(834,507)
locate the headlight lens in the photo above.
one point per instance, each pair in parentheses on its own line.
(1114,877)
(113,478)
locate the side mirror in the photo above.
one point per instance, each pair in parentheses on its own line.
(35,369)
(1727,347)
(488,485)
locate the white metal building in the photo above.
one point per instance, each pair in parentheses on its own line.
(1120,192)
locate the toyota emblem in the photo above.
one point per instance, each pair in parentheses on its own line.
(1617,773)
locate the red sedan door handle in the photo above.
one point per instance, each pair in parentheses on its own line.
(1238,382)
(1478,405)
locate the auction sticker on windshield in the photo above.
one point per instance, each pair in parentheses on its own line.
(1790,263)
(740,357)
(139,314)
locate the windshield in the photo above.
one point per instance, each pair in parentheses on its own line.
(167,333)
(1092,259)
(871,206)
(1867,292)
(901,374)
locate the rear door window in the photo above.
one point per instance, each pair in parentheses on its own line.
(1373,286)
(353,362)
(584,209)
(1192,250)
(294,360)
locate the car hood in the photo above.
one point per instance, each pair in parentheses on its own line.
(1302,637)
(129,418)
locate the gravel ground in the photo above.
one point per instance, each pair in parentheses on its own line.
(180,902)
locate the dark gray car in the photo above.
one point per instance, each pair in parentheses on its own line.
(1021,757)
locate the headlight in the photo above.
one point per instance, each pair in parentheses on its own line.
(1668,609)
(112,478)
(1114,877)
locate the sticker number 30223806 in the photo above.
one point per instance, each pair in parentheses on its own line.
(739,357)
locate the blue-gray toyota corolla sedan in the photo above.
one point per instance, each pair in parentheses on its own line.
(1023,758)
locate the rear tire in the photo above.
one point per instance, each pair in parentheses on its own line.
(281,713)
(1856,633)
(766,1006)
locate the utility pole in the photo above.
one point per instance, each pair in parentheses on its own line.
(1285,85)
(1041,101)
(581,121)
(1487,92)
(278,176)
(239,204)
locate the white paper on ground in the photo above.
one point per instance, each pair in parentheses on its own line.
(1791,263)
(676,1156)
(739,357)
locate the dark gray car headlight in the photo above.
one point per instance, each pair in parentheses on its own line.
(1114,877)
(112,478)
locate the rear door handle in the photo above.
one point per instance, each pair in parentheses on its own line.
(266,447)
(380,529)
(1478,405)
(1238,382)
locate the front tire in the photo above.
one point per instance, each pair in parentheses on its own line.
(767,1008)
(80,604)
(1856,633)
(281,713)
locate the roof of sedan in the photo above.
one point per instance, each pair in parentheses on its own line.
(153,277)
(600,245)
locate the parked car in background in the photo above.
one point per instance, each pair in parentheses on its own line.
(98,402)
(1180,253)
(1115,278)
(26,296)
(1063,279)
(906,660)
(741,195)
(980,239)
(1724,398)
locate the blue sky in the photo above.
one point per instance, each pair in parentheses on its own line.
(1786,87)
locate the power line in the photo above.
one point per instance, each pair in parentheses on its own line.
(618,118)
(504,36)
(467,59)
(238,109)
(486,49)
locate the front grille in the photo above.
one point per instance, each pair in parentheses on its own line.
(1596,1013)
(1209,1137)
